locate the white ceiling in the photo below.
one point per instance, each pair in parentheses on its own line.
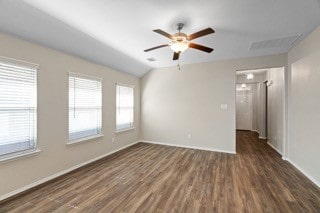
(258,71)
(115,33)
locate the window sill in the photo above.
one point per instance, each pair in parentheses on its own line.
(125,130)
(19,155)
(82,140)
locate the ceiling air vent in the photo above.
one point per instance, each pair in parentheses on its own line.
(151,59)
(275,43)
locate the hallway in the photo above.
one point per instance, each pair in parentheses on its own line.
(157,178)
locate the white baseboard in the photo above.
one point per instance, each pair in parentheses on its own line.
(273,147)
(260,137)
(29,186)
(264,138)
(189,147)
(314,180)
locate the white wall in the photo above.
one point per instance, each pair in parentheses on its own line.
(304,106)
(255,106)
(263,106)
(53,114)
(176,103)
(276,109)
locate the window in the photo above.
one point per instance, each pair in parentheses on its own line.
(124,107)
(84,107)
(18,107)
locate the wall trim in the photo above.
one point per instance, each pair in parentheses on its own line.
(273,147)
(51,177)
(310,177)
(263,138)
(189,147)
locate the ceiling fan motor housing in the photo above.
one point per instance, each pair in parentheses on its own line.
(179,37)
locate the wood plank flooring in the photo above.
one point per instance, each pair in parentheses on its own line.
(155,178)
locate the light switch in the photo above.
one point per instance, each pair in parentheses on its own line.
(224,106)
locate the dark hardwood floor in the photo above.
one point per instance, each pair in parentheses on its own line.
(155,178)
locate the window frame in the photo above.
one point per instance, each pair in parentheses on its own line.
(91,137)
(133,109)
(35,149)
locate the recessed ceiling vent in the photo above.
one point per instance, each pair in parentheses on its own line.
(285,42)
(151,59)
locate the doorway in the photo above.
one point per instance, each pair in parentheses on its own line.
(260,105)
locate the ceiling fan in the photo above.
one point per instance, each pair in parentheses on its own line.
(181,41)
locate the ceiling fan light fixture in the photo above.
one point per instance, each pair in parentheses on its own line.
(179,46)
(179,43)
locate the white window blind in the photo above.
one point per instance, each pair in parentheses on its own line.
(18,107)
(125,107)
(85,107)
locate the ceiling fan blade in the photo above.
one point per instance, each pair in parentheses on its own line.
(175,56)
(201,33)
(200,47)
(161,32)
(153,48)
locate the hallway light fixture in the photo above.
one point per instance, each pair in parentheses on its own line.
(250,76)
(269,83)
(243,86)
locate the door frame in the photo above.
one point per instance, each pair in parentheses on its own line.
(285,104)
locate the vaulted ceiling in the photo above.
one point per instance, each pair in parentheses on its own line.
(115,33)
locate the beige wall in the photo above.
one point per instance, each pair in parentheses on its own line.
(174,104)
(177,103)
(53,114)
(304,106)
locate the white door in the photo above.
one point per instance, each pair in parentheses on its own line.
(244,109)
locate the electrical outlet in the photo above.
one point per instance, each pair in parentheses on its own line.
(225,106)
(112,140)
(189,136)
